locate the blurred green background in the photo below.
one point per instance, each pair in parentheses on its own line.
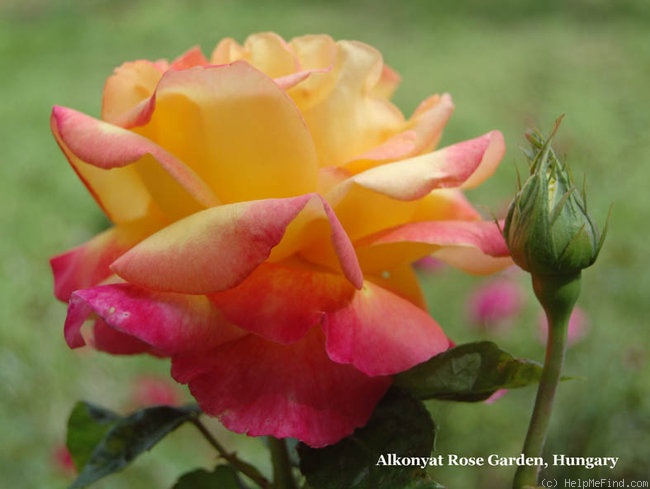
(508,64)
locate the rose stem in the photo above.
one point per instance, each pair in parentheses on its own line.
(558,295)
(282,476)
(245,468)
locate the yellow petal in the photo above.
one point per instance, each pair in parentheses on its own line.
(237,129)
(131,84)
(345,95)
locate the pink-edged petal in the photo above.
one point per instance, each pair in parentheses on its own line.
(168,323)
(345,94)
(87,265)
(263,388)
(429,120)
(473,246)
(288,82)
(189,59)
(129,98)
(420,135)
(317,236)
(216,249)
(387,83)
(128,89)
(237,129)
(380,333)
(93,146)
(282,302)
(450,167)
(266,51)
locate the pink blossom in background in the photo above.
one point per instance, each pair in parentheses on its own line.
(429,264)
(492,304)
(154,391)
(62,460)
(498,394)
(578,327)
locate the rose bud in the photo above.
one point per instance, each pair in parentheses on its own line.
(548,228)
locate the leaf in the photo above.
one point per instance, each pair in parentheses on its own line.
(102,442)
(87,425)
(470,372)
(400,425)
(223,477)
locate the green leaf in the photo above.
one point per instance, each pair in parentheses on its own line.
(401,426)
(223,477)
(87,425)
(102,442)
(470,372)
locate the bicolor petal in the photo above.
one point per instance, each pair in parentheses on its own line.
(380,333)
(129,99)
(168,323)
(419,135)
(88,265)
(128,89)
(237,129)
(216,249)
(266,51)
(473,246)
(397,193)
(262,388)
(266,302)
(139,168)
(453,166)
(345,94)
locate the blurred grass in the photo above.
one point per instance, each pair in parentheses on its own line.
(508,65)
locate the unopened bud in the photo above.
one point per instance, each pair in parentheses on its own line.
(548,229)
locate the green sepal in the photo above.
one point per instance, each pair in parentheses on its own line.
(102,442)
(400,425)
(470,372)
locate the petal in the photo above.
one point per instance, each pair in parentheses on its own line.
(464,163)
(237,129)
(126,192)
(88,265)
(282,302)
(473,246)
(128,94)
(317,236)
(420,135)
(387,83)
(189,59)
(107,339)
(316,54)
(402,281)
(218,248)
(396,193)
(262,388)
(345,94)
(380,333)
(127,88)
(167,323)
(266,51)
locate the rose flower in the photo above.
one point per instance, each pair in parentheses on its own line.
(267,203)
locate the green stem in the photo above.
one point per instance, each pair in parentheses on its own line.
(282,474)
(243,467)
(558,295)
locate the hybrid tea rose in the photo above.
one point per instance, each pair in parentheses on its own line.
(267,204)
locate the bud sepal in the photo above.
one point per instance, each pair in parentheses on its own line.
(548,229)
